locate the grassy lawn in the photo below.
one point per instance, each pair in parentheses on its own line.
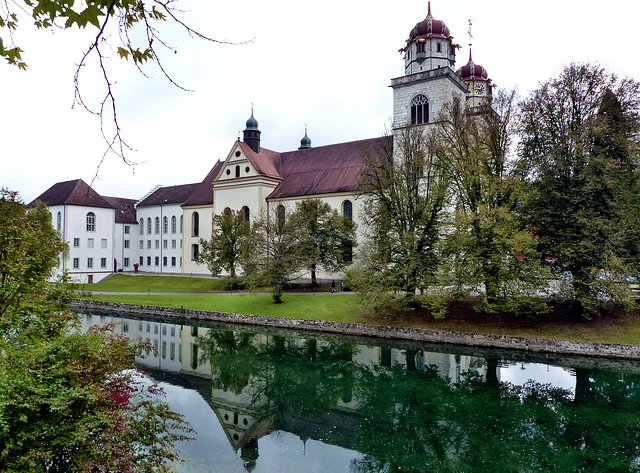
(612,327)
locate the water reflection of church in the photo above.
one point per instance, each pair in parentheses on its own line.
(241,377)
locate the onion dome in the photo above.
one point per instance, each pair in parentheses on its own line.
(305,142)
(472,71)
(429,27)
(252,123)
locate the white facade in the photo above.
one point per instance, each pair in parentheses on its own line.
(159,243)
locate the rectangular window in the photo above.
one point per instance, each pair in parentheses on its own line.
(172,351)
(173,261)
(148,260)
(76,242)
(173,331)
(164,330)
(90,243)
(103,263)
(157,244)
(165,244)
(103,243)
(76,263)
(125,327)
(155,329)
(164,261)
(173,244)
(126,228)
(141,261)
(148,244)
(157,261)
(89,262)
(126,243)
(126,262)
(141,244)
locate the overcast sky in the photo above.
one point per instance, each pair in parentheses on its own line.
(327,64)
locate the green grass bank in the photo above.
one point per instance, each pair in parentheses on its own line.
(611,327)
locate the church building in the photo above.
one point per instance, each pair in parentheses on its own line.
(170,221)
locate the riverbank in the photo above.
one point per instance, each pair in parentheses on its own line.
(527,344)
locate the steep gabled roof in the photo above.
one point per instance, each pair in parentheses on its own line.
(266,162)
(76,192)
(325,169)
(125,209)
(169,195)
(203,194)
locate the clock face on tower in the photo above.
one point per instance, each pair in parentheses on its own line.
(480,89)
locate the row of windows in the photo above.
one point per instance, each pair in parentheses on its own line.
(156,260)
(103,263)
(91,243)
(165,244)
(165,225)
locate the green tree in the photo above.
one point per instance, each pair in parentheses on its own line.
(580,151)
(405,190)
(278,251)
(69,401)
(332,236)
(227,247)
(487,246)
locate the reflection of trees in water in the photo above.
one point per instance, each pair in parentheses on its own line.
(406,419)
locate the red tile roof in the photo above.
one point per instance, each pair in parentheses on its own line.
(325,169)
(203,193)
(76,192)
(169,195)
(266,162)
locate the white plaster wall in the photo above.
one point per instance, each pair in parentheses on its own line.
(158,249)
(205,213)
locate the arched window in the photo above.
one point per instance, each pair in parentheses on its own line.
(226,211)
(280,214)
(173,224)
(181,220)
(59,222)
(195,251)
(419,110)
(165,225)
(195,230)
(247,214)
(237,171)
(141,226)
(149,226)
(157,225)
(347,209)
(91,222)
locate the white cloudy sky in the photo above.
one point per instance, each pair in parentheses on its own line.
(327,64)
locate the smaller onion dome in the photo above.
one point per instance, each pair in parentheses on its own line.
(252,123)
(305,142)
(429,27)
(472,71)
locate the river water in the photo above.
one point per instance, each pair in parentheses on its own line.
(267,400)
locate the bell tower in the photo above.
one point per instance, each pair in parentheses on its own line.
(429,79)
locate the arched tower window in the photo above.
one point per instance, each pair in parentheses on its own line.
(347,209)
(245,211)
(91,222)
(419,110)
(195,230)
(141,226)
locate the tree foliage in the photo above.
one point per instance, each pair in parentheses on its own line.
(580,152)
(279,251)
(405,190)
(332,236)
(69,401)
(487,247)
(226,250)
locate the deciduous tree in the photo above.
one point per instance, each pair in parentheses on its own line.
(487,247)
(332,236)
(225,250)
(579,145)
